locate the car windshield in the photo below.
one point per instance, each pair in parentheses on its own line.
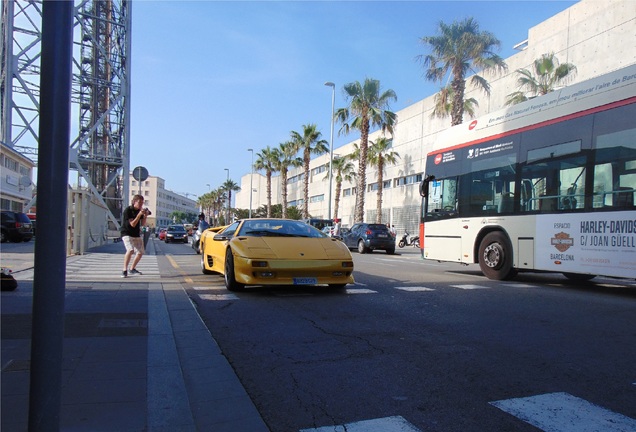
(378,227)
(278,228)
(176,228)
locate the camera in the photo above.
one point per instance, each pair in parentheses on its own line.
(147,211)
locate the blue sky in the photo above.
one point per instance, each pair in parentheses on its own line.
(211,79)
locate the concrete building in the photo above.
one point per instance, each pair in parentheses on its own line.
(161,201)
(16,186)
(596,36)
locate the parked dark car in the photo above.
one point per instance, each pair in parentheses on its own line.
(367,237)
(16,227)
(176,233)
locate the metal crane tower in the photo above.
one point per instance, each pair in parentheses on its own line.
(100,139)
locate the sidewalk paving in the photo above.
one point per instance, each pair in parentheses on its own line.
(137,356)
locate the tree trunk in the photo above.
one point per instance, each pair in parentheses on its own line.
(283,179)
(306,157)
(378,218)
(362,167)
(269,194)
(337,199)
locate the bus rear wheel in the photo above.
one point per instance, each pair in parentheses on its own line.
(495,257)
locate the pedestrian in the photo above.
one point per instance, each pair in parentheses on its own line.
(133,218)
(393,231)
(203,225)
(336,228)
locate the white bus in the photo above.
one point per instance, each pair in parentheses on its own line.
(545,185)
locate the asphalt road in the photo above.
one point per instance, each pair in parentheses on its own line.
(424,346)
(437,346)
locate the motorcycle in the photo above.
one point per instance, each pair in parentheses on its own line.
(407,240)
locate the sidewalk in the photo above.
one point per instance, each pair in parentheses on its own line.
(137,356)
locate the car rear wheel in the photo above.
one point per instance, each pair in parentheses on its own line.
(230,280)
(4,237)
(390,251)
(361,247)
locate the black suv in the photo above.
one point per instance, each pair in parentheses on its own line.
(368,237)
(16,226)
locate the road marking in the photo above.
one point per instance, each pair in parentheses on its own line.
(360,291)
(386,424)
(209,288)
(562,412)
(519,285)
(415,288)
(469,287)
(218,297)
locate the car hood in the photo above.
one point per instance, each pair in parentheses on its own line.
(292,248)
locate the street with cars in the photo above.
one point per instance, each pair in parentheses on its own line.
(420,346)
(438,346)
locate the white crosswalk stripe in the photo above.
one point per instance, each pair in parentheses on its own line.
(469,287)
(415,288)
(104,267)
(386,424)
(562,412)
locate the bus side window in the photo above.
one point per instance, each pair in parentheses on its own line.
(527,195)
(624,198)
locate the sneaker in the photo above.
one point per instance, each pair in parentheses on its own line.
(135,272)
(124,274)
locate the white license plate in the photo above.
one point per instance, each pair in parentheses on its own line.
(305,281)
(382,235)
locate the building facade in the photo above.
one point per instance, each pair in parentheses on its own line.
(161,201)
(16,186)
(596,36)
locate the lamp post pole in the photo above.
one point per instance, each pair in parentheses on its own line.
(333,101)
(251,180)
(227,217)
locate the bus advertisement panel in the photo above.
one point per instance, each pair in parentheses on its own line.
(587,243)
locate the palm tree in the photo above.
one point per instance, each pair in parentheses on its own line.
(548,74)
(285,157)
(367,107)
(309,143)
(218,197)
(381,154)
(205,203)
(229,186)
(444,103)
(343,170)
(459,49)
(265,160)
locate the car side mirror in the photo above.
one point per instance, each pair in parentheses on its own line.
(219,237)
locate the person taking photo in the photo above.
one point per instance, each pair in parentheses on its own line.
(133,218)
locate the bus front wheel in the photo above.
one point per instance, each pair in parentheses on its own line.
(495,257)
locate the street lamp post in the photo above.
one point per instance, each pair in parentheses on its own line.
(333,101)
(251,180)
(227,217)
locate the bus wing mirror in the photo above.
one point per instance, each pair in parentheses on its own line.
(424,185)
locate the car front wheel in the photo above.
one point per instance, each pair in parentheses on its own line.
(361,247)
(230,280)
